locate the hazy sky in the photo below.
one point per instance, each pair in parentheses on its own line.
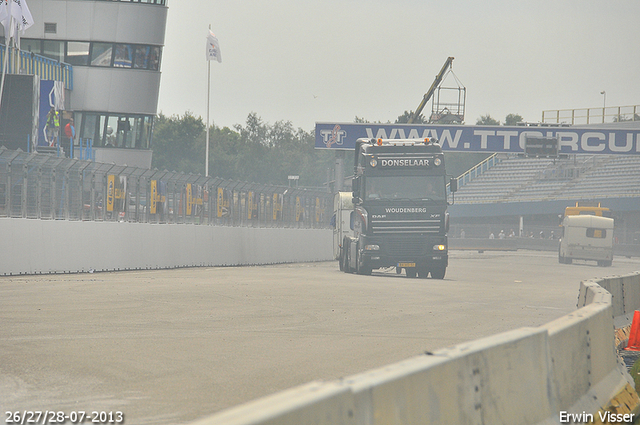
(330,61)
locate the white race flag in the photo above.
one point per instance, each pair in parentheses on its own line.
(26,20)
(213,48)
(19,11)
(5,17)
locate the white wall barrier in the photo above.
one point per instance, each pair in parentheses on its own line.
(522,377)
(514,244)
(60,246)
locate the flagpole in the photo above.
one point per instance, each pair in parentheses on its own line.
(206,160)
(6,59)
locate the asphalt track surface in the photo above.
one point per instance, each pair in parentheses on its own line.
(171,346)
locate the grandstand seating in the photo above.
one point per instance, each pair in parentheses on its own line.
(579,177)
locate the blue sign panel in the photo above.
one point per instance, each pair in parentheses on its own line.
(480,138)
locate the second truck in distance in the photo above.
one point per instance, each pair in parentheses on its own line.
(399,209)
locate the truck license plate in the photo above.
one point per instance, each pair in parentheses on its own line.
(406,264)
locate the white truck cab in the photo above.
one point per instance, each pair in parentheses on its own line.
(586,237)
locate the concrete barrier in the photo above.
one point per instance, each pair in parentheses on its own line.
(41,246)
(318,403)
(513,244)
(502,379)
(507,244)
(526,376)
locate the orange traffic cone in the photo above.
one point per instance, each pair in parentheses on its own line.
(634,334)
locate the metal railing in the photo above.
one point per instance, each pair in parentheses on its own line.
(592,115)
(22,62)
(478,169)
(41,186)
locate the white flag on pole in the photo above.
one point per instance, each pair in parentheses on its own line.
(26,20)
(5,17)
(22,19)
(213,48)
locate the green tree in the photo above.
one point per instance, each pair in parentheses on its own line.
(487,120)
(406,116)
(178,143)
(255,151)
(512,119)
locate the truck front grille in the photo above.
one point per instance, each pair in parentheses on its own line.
(405,247)
(405,226)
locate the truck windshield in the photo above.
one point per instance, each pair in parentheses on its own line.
(430,188)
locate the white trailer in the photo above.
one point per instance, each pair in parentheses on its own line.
(341,220)
(586,237)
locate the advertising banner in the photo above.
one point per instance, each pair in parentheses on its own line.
(111,192)
(189,195)
(154,197)
(480,138)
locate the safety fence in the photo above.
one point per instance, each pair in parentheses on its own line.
(592,115)
(478,169)
(41,186)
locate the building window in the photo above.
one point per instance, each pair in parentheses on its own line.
(101,54)
(54,50)
(83,53)
(124,56)
(77,53)
(31,45)
(154,59)
(158,2)
(127,131)
(142,57)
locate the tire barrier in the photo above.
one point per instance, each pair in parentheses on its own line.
(567,369)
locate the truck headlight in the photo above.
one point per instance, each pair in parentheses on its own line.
(439,247)
(372,247)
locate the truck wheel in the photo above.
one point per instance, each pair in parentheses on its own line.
(411,271)
(341,259)
(438,273)
(347,260)
(361,267)
(560,257)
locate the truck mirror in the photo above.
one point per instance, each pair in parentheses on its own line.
(355,186)
(352,219)
(453,185)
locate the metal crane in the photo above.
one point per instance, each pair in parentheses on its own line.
(432,89)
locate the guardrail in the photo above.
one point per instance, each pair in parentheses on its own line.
(478,169)
(514,244)
(23,62)
(592,115)
(40,186)
(541,375)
